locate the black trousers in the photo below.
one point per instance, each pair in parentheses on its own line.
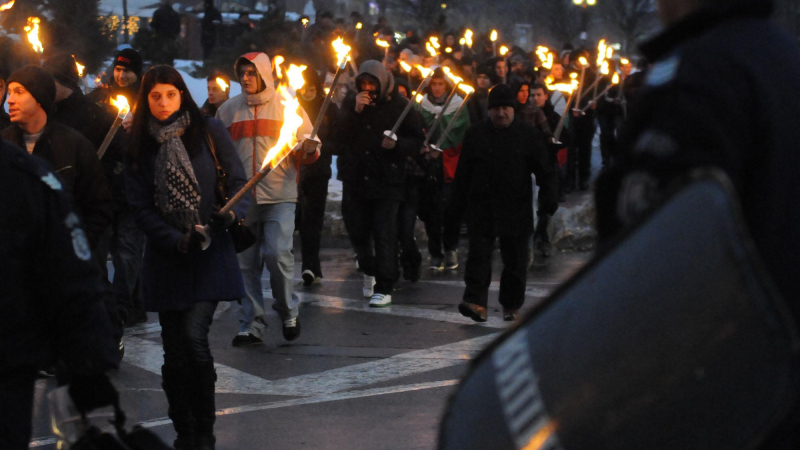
(376,219)
(608,137)
(478,273)
(16,408)
(185,335)
(580,152)
(410,257)
(313,193)
(433,200)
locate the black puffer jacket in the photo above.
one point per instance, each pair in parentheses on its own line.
(74,160)
(93,122)
(363,162)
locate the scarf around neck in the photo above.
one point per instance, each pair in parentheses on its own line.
(176,189)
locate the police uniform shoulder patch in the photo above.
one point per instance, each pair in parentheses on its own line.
(80,244)
(664,71)
(51,180)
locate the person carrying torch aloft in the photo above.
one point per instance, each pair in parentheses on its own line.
(372,168)
(582,126)
(254,119)
(435,189)
(219,91)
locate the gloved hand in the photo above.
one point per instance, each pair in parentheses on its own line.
(92,392)
(191,242)
(221,222)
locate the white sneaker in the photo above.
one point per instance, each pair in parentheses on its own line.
(380,301)
(369,286)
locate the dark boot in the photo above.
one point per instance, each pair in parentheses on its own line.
(203,405)
(175,384)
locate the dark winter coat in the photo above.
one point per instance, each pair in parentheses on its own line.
(478,106)
(52,294)
(553,118)
(321,168)
(74,160)
(724,111)
(493,180)
(172,280)
(166,22)
(364,164)
(5,120)
(93,122)
(533,116)
(208,110)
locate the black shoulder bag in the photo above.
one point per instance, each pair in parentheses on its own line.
(243,237)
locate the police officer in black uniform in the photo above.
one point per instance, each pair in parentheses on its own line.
(708,101)
(51,297)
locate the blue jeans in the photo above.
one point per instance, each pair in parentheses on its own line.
(274,227)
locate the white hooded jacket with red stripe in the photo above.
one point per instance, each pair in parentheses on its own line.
(254,122)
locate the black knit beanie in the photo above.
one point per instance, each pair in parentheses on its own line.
(130,59)
(39,83)
(501,95)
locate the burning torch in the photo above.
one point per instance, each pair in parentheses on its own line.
(121,103)
(493,38)
(567,88)
(32,31)
(428,74)
(584,64)
(545,56)
(441,114)
(468,90)
(385,45)
(81,69)
(286,144)
(503,53)
(614,82)
(342,55)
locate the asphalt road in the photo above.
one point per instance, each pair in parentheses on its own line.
(357,378)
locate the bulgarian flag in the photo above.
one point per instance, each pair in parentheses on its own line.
(451,146)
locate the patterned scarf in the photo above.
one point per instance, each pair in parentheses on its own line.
(177,190)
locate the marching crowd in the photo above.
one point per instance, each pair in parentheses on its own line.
(480,125)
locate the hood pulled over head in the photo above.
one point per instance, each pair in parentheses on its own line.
(264,68)
(376,70)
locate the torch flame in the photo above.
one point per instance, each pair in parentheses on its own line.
(304,21)
(121,103)
(545,57)
(584,62)
(222,84)
(7,6)
(435,42)
(493,36)
(425,72)
(568,88)
(292,120)
(405,66)
(605,69)
(624,61)
(342,51)
(462,41)
(468,37)
(277,61)
(32,30)
(430,49)
(466,88)
(359,26)
(456,80)
(615,80)
(381,43)
(419,98)
(295,75)
(601,52)
(79,66)
(609,52)
(503,50)
(327,90)
(448,50)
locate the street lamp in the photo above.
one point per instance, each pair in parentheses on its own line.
(584,4)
